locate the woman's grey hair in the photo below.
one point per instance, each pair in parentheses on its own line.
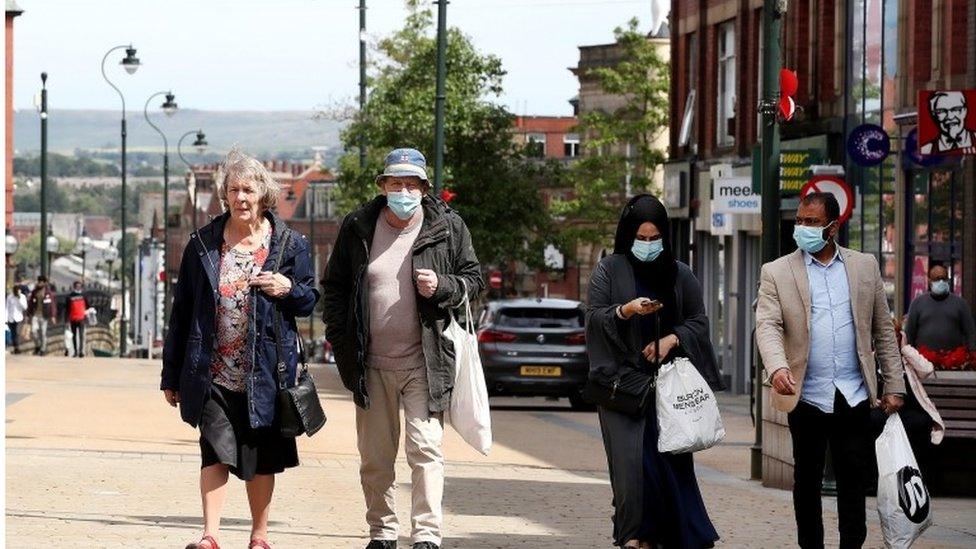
(238,166)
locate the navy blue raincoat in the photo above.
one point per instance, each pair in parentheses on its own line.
(189,347)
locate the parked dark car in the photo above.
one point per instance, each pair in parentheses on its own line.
(534,347)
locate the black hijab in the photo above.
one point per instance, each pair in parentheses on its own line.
(661,274)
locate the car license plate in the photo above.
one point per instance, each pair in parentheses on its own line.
(542,371)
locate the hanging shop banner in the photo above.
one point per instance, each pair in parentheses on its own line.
(794,169)
(947,122)
(835,185)
(868,145)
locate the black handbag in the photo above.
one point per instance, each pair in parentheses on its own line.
(629,391)
(298,408)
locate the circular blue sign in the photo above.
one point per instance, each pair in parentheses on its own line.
(868,145)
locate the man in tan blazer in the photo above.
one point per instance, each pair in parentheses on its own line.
(821,312)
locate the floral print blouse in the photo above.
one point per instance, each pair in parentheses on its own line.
(232,360)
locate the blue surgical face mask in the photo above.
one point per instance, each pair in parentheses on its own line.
(647,251)
(940,287)
(403,204)
(810,239)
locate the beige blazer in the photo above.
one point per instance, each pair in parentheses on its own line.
(783,323)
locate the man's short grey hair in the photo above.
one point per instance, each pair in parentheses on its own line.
(238,166)
(940,94)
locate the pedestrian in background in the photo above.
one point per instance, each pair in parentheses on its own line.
(656,499)
(76,317)
(16,307)
(940,324)
(400,263)
(42,308)
(220,357)
(821,310)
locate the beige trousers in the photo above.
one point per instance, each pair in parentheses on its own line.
(378,431)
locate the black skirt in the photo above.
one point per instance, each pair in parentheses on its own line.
(226,436)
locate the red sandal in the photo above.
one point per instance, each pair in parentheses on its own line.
(199,544)
(255,543)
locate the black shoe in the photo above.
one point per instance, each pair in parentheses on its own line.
(426,545)
(382,544)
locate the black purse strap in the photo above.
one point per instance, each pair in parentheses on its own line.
(281,369)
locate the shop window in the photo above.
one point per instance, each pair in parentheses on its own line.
(935,225)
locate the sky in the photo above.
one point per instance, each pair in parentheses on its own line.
(287,54)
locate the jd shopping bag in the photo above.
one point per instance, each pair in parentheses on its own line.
(903,499)
(687,412)
(469,413)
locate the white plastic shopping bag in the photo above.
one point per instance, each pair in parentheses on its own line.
(903,500)
(687,413)
(469,413)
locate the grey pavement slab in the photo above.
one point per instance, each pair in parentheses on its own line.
(95,458)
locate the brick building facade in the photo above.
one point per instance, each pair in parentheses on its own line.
(858,62)
(12,11)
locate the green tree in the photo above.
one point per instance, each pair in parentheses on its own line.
(618,145)
(497,187)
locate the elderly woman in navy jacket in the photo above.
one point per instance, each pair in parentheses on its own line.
(220,354)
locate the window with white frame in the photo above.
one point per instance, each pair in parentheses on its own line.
(535,144)
(319,201)
(726,84)
(571,144)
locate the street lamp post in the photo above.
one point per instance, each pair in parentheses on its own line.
(44,258)
(440,95)
(311,232)
(53,246)
(110,255)
(772,13)
(362,81)
(84,244)
(11,246)
(169,107)
(131,64)
(200,143)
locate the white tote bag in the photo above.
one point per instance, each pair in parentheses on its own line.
(903,500)
(687,413)
(469,413)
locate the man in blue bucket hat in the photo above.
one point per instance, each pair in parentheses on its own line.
(400,263)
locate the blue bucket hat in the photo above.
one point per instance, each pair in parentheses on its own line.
(404,163)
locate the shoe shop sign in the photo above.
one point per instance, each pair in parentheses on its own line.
(734,195)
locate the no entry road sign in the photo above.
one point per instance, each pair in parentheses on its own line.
(835,185)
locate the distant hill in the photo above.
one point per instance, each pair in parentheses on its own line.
(261,133)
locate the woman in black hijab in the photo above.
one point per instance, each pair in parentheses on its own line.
(656,498)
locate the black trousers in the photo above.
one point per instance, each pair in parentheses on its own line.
(14,336)
(847,433)
(78,338)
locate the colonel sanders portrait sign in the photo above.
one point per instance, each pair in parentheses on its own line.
(947,122)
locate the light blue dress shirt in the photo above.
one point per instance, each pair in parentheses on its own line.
(833,363)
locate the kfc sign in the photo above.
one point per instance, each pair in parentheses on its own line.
(947,122)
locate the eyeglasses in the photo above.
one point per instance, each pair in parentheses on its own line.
(955,111)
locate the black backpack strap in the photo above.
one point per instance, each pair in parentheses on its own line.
(281,369)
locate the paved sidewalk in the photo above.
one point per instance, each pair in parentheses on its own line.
(96,459)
